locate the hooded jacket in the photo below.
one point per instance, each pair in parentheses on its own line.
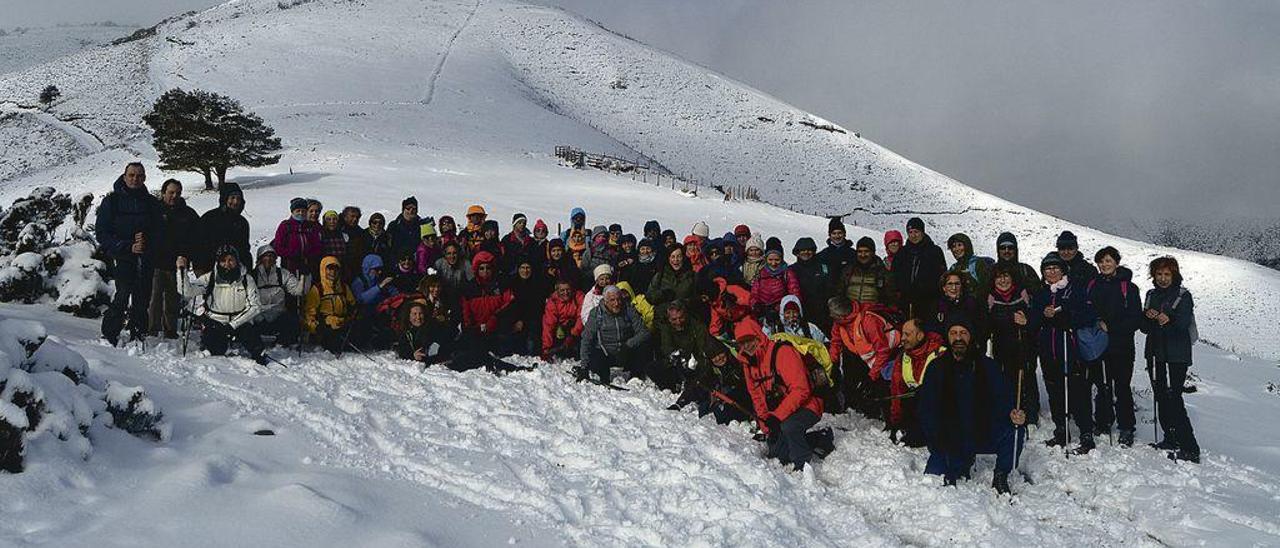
(232,302)
(917,268)
(484,299)
(772,285)
(802,328)
(367,288)
(564,234)
(125,212)
(865,334)
(223,226)
(328,299)
(1024,275)
(693,252)
(978,269)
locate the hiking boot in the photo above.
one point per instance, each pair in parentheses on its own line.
(1086,445)
(1059,439)
(893,436)
(1101,430)
(949,481)
(1169,444)
(113,340)
(1001,482)
(580,374)
(1125,439)
(262,360)
(1184,455)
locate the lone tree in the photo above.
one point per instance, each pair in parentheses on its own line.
(207,133)
(49,94)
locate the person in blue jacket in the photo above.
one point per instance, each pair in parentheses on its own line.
(128,226)
(966,408)
(1115,298)
(370,288)
(1057,310)
(1170,324)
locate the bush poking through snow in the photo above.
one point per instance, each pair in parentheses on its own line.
(133,412)
(47,395)
(46,254)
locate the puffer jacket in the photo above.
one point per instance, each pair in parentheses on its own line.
(232,302)
(611,332)
(772,285)
(125,212)
(223,226)
(869,283)
(484,299)
(865,334)
(328,300)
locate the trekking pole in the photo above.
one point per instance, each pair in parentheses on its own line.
(1016,438)
(1066,395)
(299,300)
(184,314)
(1106,385)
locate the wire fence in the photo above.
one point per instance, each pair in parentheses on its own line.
(646,171)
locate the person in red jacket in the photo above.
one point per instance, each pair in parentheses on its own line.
(484,302)
(862,343)
(297,241)
(784,403)
(561,322)
(728,303)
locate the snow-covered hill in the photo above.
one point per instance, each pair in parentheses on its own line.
(461,102)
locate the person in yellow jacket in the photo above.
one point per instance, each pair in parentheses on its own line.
(329,306)
(640,303)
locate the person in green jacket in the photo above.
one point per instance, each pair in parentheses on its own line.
(976,269)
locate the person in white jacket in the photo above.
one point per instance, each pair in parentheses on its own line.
(278,294)
(230,304)
(603,275)
(791,320)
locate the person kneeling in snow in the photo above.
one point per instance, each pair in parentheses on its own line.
(329,307)
(614,336)
(230,304)
(278,289)
(966,408)
(785,405)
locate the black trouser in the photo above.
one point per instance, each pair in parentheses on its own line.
(635,361)
(285,328)
(216,337)
(133,276)
(1167,382)
(858,390)
(165,303)
(1077,384)
(1009,358)
(476,350)
(331,339)
(789,444)
(1112,375)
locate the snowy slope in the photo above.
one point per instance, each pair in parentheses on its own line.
(33,46)
(410,85)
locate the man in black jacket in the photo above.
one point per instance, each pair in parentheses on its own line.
(918,270)
(1024,275)
(224,225)
(814,278)
(176,239)
(128,227)
(405,231)
(1078,269)
(838,254)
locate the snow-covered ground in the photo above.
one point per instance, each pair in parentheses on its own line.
(462,102)
(369,451)
(33,46)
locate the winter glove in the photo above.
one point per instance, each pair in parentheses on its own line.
(772,424)
(333,322)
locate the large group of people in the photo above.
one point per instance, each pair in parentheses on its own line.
(944,352)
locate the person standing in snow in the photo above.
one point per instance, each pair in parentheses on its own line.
(838,254)
(1116,299)
(379,240)
(297,242)
(862,343)
(357,238)
(892,245)
(782,397)
(814,281)
(1078,269)
(966,409)
(603,276)
(1024,276)
(277,288)
(128,227)
(1169,321)
(917,271)
(577,225)
(1057,311)
(176,239)
(976,269)
(1012,344)
(405,231)
(230,304)
(754,261)
(774,282)
(224,225)
(866,280)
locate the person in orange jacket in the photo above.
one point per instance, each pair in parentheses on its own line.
(728,303)
(862,343)
(781,396)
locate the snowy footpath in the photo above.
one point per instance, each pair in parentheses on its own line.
(369,451)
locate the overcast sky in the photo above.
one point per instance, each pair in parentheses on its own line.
(1098,111)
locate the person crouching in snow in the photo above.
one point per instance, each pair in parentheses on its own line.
(562,322)
(785,405)
(329,307)
(230,303)
(613,336)
(485,305)
(278,292)
(965,409)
